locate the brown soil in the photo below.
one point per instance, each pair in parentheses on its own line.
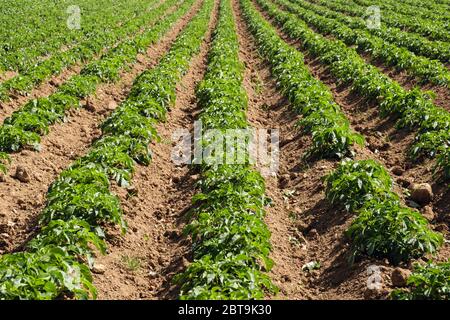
(20,203)
(156,214)
(6,75)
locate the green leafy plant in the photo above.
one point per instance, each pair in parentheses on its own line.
(385,229)
(131,263)
(428,282)
(73,235)
(4,161)
(47,273)
(353,183)
(231,241)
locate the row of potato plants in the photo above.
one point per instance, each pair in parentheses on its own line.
(25,126)
(414,109)
(230,239)
(40,29)
(384,228)
(433,30)
(423,68)
(431,5)
(82,52)
(416,23)
(79,203)
(439,50)
(321,116)
(428,282)
(426,11)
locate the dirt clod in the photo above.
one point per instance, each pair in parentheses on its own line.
(421,193)
(98,268)
(398,171)
(22,174)
(399,277)
(90,105)
(428,213)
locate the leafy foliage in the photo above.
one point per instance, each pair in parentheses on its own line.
(353,183)
(4,161)
(385,229)
(428,282)
(425,69)
(231,241)
(80,201)
(47,273)
(307,95)
(73,235)
(413,108)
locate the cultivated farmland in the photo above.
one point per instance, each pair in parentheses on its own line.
(128,167)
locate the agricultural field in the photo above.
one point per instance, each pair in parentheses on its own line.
(225,150)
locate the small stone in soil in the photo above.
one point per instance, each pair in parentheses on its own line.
(428,213)
(22,174)
(397,170)
(99,268)
(421,193)
(399,277)
(90,106)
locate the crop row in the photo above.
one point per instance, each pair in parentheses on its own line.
(422,46)
(321,116)
(426,11)
(25,126)
(34,31)
(383,227)
(427,282)
(414,108)
(230,237)
(423,68)
(404,12)
(430,29)
(80,201)
(83,51)
(432,5)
